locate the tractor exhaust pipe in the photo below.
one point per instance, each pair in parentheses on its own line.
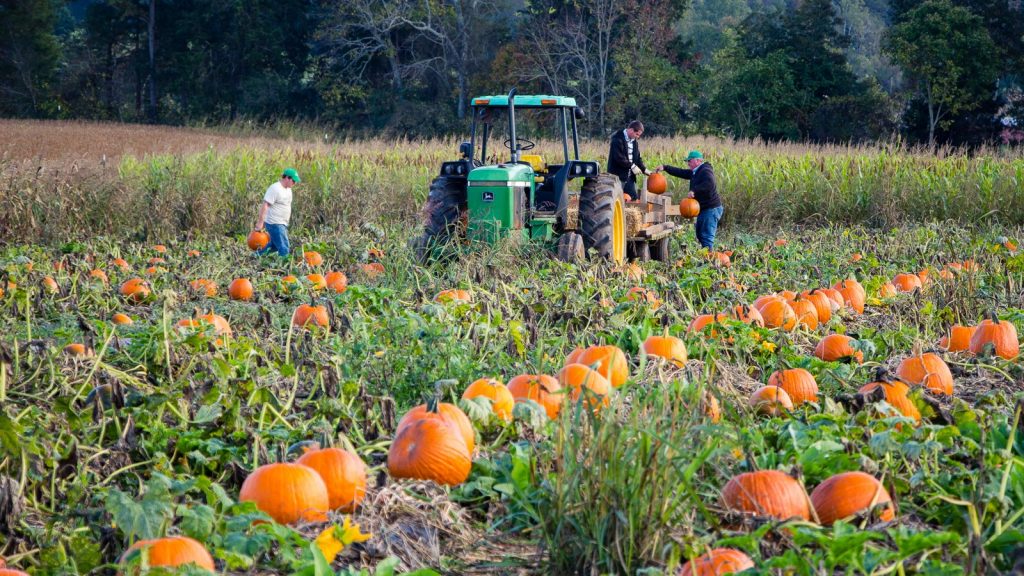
(512,125)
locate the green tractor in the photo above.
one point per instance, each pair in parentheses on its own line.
(533,200)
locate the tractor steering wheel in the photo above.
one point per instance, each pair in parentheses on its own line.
(526,144)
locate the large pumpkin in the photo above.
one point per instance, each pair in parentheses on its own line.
(853,293)
(958,339)
(698,324)
(502,401)
(718,562)
(689,208)
(576,377)
(657,183)
(767,493)
(307,314)
(540,388)
(343,473)
(896,395)
(287,493)
(822,304)
(1001,335)
(169,552)
(850,493)
(777,313)
(747,315)
(11,571)
(928,370)
(610,362)
(135,290)
(240,289)
(835,347)
(798,383)
(450,413)
(770,400)
(430,449)
(221,326)
(257,240)
(337,281)
(667,347)
(907,282)
(806,313)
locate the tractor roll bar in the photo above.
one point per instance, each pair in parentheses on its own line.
(512,125)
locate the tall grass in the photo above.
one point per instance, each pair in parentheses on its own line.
(215,190)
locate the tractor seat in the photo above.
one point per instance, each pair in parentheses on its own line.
(538,164)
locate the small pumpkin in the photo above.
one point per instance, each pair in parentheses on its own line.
(204,286)
(853,293)
(308,314)
(689,208)
(610,362)
(344,474)
(887,290)
(221,326)
(837,347)
(748,315)
(822,304)
(574,356)
(718,562)
(907,282)
(541,388)
(806,314)
(312,258)
(770,400)
(240,289)
(50,285)
(798,383)
(502,401)
(777,313)
(11,571)
(958,339)
(835,297)
(373,269)
(337,281)
(848,494)
(928,370)
(98,275)
(667,347)
(895,395)
(657,183)
(1001,335)
(317,281)
(698,324)
(453,295)
(641,294)
(169,552)
(430,449)
(78,350)
(768,493)
(577,377)
(287,493)
(257,240)
(121,263)
(135,290)
(450,413)
(122,319)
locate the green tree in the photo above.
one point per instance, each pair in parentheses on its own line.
(949,56)
(29,56)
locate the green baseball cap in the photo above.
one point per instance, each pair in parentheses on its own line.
(291,173)
(694,154)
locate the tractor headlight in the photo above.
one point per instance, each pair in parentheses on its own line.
(460,169)
(448,169)
(577,169)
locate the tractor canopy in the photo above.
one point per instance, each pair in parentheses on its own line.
(525,101)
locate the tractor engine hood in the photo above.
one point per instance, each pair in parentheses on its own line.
(502,175)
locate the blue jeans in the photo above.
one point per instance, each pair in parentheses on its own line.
(707,225)
(278,240)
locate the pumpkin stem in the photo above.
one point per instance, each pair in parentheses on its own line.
(993,316)
(882,375)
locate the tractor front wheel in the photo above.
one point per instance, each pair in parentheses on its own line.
(603,217)
(444,212)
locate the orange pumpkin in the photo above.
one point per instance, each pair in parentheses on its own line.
(204,286)
(343,473)
(689,208)
(698,324)
(337,281)
(135,290)
(748,315)
(887,290)
(610,362)
(657,184)
(822,304)
(194,253)
(312,258)
(12,571)
(958,339)
(777,313)
(835,297)
(317,281)
(640,294)
(1000,335)
(121,263)
(787,295)
(667,347)
(160,248)
(373,269)
(289,283)
(430,449)
(798,383)
(573,356)
(806,314)
(907,282)
(848,494)
(453,295)
(836,347)
(287,493)
(928,370)
(121,319)
(307,314)
(770,400)
(450,413)
(240,289)
(97,274)
(502,401)
(718,562)
(576,377)
(853,294)
(156,260)
(257,240)
(895,395)
(50,285)
(540,388)
(79,350)
(170,552)
(767,493)
(221,327)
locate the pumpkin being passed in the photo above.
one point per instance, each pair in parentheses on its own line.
(656,183)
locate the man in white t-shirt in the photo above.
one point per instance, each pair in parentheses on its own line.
(275,212)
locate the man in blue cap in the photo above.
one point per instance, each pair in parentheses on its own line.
(276,211)
(705,190)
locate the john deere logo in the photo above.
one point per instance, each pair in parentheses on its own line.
(488,196)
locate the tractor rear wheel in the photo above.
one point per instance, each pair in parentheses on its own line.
(445,209)
(570,247)
(603,217)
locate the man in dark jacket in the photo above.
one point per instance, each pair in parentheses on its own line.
(624,157)
(705,190)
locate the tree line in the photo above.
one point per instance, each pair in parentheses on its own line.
(925,71)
